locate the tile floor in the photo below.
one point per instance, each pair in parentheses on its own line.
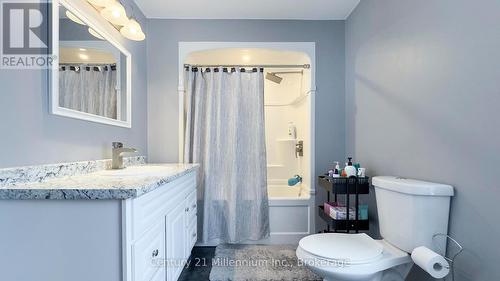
(199,265)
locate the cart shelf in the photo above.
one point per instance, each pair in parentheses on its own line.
(344,188)
(340,185)
(342,225)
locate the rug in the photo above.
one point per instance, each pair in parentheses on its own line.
(258,263)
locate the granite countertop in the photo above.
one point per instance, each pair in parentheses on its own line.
(99,184)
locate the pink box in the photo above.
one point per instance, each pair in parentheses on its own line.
(328,206)
(337,211)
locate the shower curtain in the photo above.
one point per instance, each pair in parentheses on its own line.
(90,89)
(225,135)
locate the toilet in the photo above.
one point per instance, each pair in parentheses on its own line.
(410,212)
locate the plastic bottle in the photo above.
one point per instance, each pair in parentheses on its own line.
(349,169)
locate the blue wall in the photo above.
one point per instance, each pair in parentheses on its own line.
(423,92)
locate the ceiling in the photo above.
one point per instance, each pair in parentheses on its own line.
(254,9)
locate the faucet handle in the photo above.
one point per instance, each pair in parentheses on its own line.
(117,145)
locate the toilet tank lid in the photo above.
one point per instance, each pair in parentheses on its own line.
(411,186)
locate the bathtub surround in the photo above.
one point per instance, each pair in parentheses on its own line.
(96,185)
(225,135)
(422,102)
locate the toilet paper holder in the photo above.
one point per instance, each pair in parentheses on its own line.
(453,241)
(452,257)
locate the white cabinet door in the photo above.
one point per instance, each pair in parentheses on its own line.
(164,220)
(176,241)
(191,220)
(160,275)
(148,253)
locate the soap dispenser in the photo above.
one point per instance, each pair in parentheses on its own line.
(336,172)
(350,170)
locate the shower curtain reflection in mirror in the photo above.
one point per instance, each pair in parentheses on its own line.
(93,79)
(89,88)
(225,134)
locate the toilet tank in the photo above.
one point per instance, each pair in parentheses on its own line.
(410,212)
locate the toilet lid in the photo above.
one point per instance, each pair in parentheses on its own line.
(354,248)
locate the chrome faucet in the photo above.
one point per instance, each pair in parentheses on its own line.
(299,149)
(118,151)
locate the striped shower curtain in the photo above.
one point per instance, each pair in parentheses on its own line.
(90,89)
(225,135)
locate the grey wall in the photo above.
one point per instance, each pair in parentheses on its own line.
(71,31)
(163,39)
(423,91)
(31,135)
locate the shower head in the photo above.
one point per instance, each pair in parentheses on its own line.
(273,77)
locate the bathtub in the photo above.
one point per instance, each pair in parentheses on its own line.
(290,213)
(285,192)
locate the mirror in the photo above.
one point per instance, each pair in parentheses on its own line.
(92,78)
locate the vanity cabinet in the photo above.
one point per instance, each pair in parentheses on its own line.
(176,237)
(160,231)
(136,224)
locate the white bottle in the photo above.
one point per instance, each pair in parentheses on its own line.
(350,170)
(292,130)
(336,172)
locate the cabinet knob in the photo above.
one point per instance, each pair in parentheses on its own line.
(187,209)
(194,206)
(194,234)
(155,253)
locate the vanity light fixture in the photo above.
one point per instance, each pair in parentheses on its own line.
(115,13)
(95,34)
(74,18)
(133,31)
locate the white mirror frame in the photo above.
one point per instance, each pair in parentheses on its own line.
(93,19)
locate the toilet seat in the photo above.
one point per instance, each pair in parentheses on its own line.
(355,249)
(391,257)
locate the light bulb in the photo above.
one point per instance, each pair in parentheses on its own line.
(95,34)
(115,14)
(74,18)
(133,31)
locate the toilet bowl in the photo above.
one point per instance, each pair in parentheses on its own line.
(410,212)
(349,257)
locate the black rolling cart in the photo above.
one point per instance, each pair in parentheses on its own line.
(344,188)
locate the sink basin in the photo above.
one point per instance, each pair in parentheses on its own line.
(138,171)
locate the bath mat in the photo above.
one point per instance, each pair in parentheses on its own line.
(258,263)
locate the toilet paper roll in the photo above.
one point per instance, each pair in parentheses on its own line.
(431,262)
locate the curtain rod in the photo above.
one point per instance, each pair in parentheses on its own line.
(305,66)
(88,64)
